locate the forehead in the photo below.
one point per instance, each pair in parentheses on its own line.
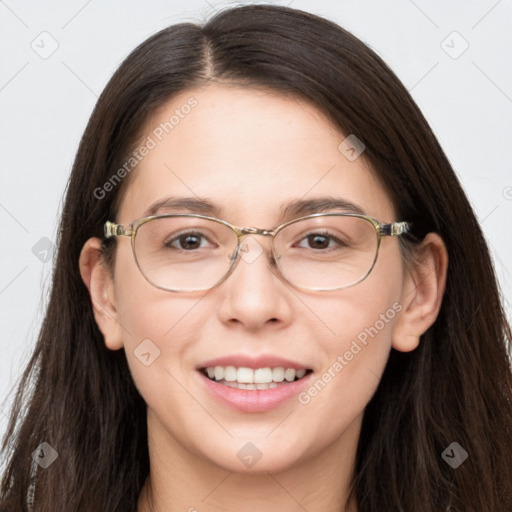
(248,152)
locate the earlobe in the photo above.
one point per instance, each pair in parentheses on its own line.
(422,293)
(99,282)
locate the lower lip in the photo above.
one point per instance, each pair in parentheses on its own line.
(248,400)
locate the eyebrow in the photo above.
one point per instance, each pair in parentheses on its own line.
(178,204)
(291,210)
(301,207)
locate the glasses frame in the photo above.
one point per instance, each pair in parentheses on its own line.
(397,228)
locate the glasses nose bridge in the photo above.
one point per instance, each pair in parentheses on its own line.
(254,231)
(242,232)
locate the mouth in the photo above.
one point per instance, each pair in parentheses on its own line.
(254,379)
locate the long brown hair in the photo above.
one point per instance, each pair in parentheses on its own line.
(79,397)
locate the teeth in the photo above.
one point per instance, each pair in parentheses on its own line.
(261,378)
(300,373)
(262,375)
(237,385)
(278,374)
(289,374)
(230,373)
(219,373)
(243,375)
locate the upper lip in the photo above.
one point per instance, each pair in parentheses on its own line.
(254,362)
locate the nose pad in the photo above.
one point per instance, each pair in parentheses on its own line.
(273,261)
(234,254)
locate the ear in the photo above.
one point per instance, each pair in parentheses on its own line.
(422,293)
(100,284)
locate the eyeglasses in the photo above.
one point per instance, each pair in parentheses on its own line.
(193,252)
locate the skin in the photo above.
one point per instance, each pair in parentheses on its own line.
(249,151)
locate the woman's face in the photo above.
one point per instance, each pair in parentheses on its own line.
(250,153)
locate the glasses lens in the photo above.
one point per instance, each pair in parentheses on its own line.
(327,252)
(184,253)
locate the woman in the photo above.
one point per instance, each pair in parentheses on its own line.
(349,354)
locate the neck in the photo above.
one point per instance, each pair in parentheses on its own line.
(182,480)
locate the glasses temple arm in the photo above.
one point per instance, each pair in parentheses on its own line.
(395,228)
(112,229)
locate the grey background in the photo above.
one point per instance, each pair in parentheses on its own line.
(45,104)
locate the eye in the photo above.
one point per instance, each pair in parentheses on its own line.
(322,240)
(187,241)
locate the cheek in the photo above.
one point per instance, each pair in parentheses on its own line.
(156,340)
(143,310)
(156,327)
(354,362)
(360,340)
(364,311)
(360,322)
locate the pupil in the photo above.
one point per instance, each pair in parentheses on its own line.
(318,241)
(186,244)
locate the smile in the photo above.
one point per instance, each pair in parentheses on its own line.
(253,379)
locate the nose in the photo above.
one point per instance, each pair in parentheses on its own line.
(254,294)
